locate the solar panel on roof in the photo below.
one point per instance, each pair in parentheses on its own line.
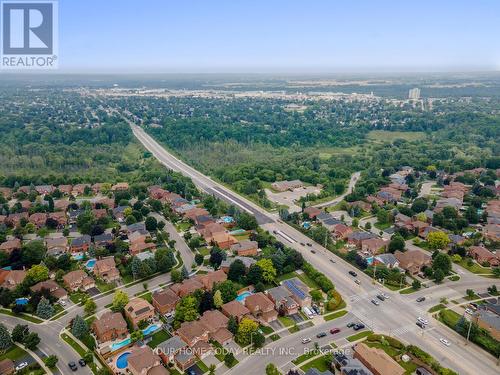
(294,289)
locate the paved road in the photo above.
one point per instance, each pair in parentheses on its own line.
(352,183)
(396,317)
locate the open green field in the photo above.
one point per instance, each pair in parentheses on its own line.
(389,136)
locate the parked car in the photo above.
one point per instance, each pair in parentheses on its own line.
(313,251)
(334,330)
(351,324)
(316,309)
(306,340)
(375,302)
(21,366)
(386,296)
(420,324)
(303,244)
(309,244)
(469,311)
(352,273)
(62,302)
(73,366)
(358,326)
(82,362)
(381,297)
(444,341)
(357,281)
(422,320)
(321,334)
(331,260)
(420,299)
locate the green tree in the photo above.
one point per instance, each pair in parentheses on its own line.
(218,301)
(232,325)
(19,332)
(246,329)
(5,339)
(443,262)
(198,258)
(44,309)
(438,240)
(37,273)
(187,309)
(79,328)
(246,221)
(268,270)
(416,284)
(151,224)
(90,306)
(236,271)
(229,359)
(271,369)
(120,299)
(31,341)
(438,275)
(51,361)
(176,276)
(397,243)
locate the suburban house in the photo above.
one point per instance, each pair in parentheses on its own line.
(283,301)
(78,280)
(120,186)
(15,219)
(109,327)
(54,288)
(299,291)
(261,307)
(11,245)
(81,244)
(10,279)
(377,360)
(216,324)
(374,246)
(59,217)
(186,287)
(387,259)
(341,231)
(56,246)
(413,260)
(193,332)
(79,189)
(170,348)
(312,212)
(164,301)
(402,221)
(235,309)
(195,212)
(142,361)
(138,310)
(245,248)
(483,255)
(7,367)
(245,260)
(103,240)
(356,238)
(210,279)
(349,365)
(105,269)
(38,219)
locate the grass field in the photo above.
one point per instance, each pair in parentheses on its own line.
(388,136)
(359,336)
(334,315)
(321,363)
(14,353)
(22,316)
(158,338)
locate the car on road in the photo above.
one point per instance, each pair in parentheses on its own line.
(73,366)
(358,326)
(309,244)
(331,260)
(444,341)
(469,311)
(321,334)
(274,232)
(381,297)
(420,299)
(303,244)
(357,281)
(352,273)
(21,366)
(422,320)
(82,362)
(306,340)
(375,302)
(313,251)
(351,324)
(333,331)
(420,324)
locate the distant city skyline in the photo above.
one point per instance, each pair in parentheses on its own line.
(278,36)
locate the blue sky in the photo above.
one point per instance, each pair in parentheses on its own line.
(278,36)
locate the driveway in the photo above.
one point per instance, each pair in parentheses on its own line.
(276,325)
(93,291)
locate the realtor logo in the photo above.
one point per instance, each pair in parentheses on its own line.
(29,34)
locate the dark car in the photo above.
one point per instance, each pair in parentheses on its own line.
(321,334)
(358,326)
(334,330)
(420,324)
(190,371)
(73,366)
(313,251)
(420,299)
(381,297)
(349,325)
(316,309)
(82,362)
(303,244)
(309,244)
(352,273)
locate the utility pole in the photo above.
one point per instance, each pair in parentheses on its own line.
(468,331)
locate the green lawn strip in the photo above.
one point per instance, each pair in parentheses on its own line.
(204,251)
(275,337)
(294,329)
(286,321)
(76,297)
(14,353)
(104,287)
(202,366)
(321,363)
(433,309)
(304,357)
(359,336)
(145,295)
(474,268)
(286,276)
(408,290)
(334,315)
(308,281)
(266,330)
(454,278)
(158,338)
(29,318)
(57,316)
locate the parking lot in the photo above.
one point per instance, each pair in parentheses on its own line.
(290,198)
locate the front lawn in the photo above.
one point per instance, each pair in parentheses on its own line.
(321,363)
(474,268)
(286,321)
(27,317)
(266,330)
(359,336)
(104,287)
(14,353)
(334,315)
(304,357)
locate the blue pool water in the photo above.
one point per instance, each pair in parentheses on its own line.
(227,219)
(306,225)
(241,297)
(150,329)
(22,301)
(238,231)
(78,256)
(90,264)
(122,361)
(121,344)
(369,261)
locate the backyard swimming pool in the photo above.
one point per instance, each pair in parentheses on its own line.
(78,256)
(122,361)
(90,264)
(152,328)
(121,344)
(241,297)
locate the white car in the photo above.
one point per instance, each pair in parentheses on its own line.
(422,320)
(306,340)
(445,342)
(357,281)
(469,311)
(386,296)
(21,366)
